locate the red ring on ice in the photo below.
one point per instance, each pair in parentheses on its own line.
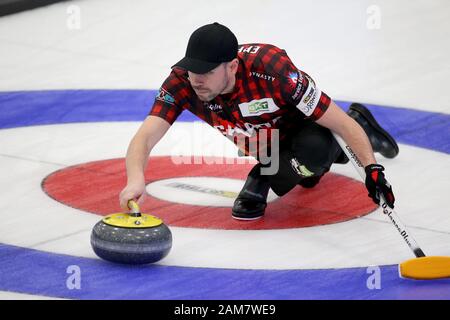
(95,186)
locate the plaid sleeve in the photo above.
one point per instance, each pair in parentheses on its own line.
(167,104)
(299,89)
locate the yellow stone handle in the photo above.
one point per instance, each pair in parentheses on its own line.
(134,207)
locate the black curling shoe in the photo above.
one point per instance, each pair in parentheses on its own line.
(247,209)
(380,139)
(252,200)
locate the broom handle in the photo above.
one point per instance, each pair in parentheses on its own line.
(401,228)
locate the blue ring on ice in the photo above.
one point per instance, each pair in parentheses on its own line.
(37,272)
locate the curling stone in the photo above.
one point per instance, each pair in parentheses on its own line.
(131,238)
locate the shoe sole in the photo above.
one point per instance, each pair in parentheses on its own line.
(366,114)
(245,219)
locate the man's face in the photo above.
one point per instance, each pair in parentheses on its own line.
(209,85)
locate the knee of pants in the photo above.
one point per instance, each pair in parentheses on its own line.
(317,151)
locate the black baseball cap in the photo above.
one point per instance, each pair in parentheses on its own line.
(208,47)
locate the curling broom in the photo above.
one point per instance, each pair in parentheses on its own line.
(422,267)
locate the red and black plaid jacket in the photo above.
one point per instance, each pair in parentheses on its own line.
(270,93)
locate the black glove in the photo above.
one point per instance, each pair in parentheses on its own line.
(376,184)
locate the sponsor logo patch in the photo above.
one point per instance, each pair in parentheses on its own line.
(258,107)
(165,96)
(261,76)
(296,81)
(213,106)
(249,49)
(247,129)
(310,99)
(300,168)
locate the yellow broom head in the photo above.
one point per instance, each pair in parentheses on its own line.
(426,268)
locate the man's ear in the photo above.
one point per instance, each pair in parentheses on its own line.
(234,64)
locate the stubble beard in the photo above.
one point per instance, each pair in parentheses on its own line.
(212,96)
